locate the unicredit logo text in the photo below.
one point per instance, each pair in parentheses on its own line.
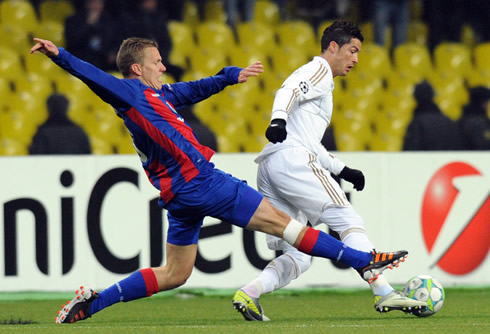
(456,218)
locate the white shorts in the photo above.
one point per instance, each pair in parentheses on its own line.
(294,182)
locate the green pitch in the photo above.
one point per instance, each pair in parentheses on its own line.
(315,311)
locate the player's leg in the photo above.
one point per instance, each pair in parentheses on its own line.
(351,228)
(277,274)
(181,250)
(143,283)
(295,175)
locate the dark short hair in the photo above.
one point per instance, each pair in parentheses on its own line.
(131,52)
(341,32)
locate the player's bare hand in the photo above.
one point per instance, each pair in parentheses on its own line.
(46,47)
(251,71)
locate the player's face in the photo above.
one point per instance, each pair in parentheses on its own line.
(152,68)
(346,57)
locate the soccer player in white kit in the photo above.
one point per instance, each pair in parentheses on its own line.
(294,173)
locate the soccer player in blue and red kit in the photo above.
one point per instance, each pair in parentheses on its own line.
(179,167)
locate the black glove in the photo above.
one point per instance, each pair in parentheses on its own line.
(276,132)
(354,176)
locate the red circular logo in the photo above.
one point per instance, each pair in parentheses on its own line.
(466,241)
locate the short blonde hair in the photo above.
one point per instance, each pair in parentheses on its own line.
(131,52)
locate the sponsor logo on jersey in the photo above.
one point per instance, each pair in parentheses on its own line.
(456,218)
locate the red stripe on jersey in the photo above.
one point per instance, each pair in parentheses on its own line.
(151,282)
(170,116)
(309,240)
(187,167)
(164,180)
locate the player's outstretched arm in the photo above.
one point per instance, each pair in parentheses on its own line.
(46,47)
(252,70)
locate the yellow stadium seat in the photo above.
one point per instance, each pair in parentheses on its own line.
(53,31)
(367,83)
(10,65)
(413,57)
(19,12)
(374,59)
(214,11)
(321,27)
(255,143)
(288,59)
(298,34)
(454,57)
(257,36)
(417,32)
(191,13)
(479,77)
(183,43)
(481,54)
(100,146)
(267,12)
(367,29)
(244,57)
(349,141)
(55,10)
(15,37)
(392,121)
(449,84)
(208,61)
(18,125)
(125,145)
(216,36)
(30,105)
(386,142)
(228,144)
(39,63)
(452,105)
(12,147)
(36,84)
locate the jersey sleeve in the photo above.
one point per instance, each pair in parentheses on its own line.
(329,161)
(117,92)
(183,94)
(307,83)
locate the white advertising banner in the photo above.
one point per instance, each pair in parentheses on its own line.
(93,220)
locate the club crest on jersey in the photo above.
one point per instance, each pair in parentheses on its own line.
(304,87)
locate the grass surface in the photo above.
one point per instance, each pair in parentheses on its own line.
(316,311)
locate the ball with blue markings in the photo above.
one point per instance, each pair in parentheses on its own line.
(427,289)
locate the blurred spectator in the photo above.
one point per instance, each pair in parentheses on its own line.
(239,8)
(59,134)
(92,34)
(205,136)
(444,19)
(148,20)
(394,13)
(430,129)
(474,123)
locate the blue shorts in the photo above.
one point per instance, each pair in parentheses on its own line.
(218,195)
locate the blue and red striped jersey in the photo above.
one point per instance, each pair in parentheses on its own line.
(169,150)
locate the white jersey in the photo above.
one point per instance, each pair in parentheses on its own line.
(305,102)
(295,175)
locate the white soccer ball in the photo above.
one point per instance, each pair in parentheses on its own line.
(427,289)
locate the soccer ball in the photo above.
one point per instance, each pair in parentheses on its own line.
(426,289)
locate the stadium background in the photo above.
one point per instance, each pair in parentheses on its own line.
(374,105)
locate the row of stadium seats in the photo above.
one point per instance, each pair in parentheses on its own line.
(374,103)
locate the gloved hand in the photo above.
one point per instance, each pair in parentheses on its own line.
(276,132)
(354,176)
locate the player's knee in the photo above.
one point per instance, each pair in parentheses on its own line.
(303,262)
